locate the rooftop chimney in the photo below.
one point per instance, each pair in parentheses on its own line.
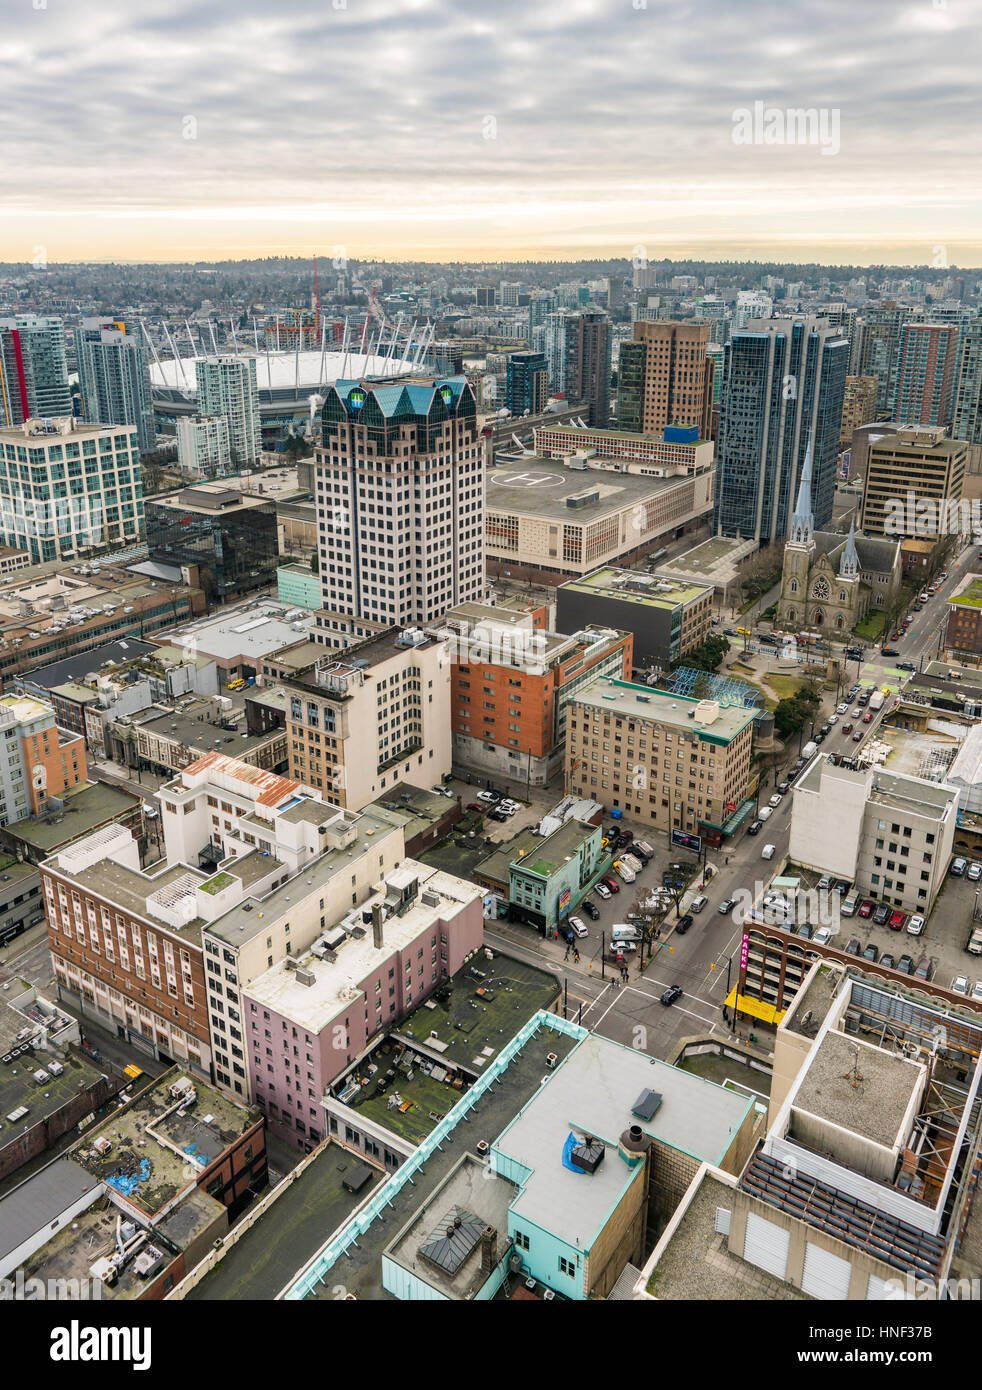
(377,925)
(489,1249)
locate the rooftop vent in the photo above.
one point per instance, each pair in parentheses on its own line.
(588,1155)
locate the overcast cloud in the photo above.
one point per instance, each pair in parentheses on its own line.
(447,126)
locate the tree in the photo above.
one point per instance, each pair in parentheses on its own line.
(795,710)
(708,656)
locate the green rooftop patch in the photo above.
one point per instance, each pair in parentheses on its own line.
(216,884)
(970,597)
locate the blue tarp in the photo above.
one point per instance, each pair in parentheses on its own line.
(568,1147)
(128,1185)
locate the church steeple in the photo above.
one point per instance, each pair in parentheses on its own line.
(802,528)
(849,564)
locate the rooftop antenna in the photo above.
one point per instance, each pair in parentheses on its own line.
(854,1076)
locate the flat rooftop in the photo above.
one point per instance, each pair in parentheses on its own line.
(877,1105)
(32,1205)
(132,890)
(338,983)
(84,808)
(243,922)
(173,726)
(719,553)
(477,1197)
(546,856)
(88,1237)
(969,593)
(362,1263)
(509,490)
(593,1093)
(18,1088)
(696,1265)
(250,631)
(304,1214)
(409,1108)
(643,702)
(469,1037)
(147,1172)
(648,590)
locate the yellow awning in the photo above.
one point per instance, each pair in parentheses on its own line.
(756,1008)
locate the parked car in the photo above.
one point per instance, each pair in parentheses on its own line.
(611,883)
(671,994)
(842,885)
(754,828)
(590,909)
(443,791)
(841,709)
(887,960)
(727,905)
(897,920)
(566,932)
(578,925)
(848,906)
(977,990)
(822,936)
(905,964)
(866,907)
(475,806)
(784,787)
(854,948)
(959,985)
(765,812)
(602,890)
(881,915)
(820,736)
(497,815)
(825,883)
(958,867)
(698,903)
(775,801)
(924,969)
(804,929)
(489,798)
(684,923)
(975,871)
(871,953)
(833,719)
(916,925)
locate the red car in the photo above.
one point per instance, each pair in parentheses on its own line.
(866,909)
(611,883)
(473,806)
(897,921)
(868,717)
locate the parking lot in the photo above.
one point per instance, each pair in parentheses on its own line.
(941,944)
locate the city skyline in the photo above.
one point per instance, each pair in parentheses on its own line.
(367,128)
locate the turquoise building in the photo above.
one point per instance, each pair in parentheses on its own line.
(298,585)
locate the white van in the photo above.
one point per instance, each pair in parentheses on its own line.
(764,813)
(624,871)
(623,931)
(767,852)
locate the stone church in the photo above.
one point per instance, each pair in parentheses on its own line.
(831,581)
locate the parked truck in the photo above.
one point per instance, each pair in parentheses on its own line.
(876,699)
(974,946)
(632,862)
(809,750)
(624,871)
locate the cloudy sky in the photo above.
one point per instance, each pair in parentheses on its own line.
(184,129)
